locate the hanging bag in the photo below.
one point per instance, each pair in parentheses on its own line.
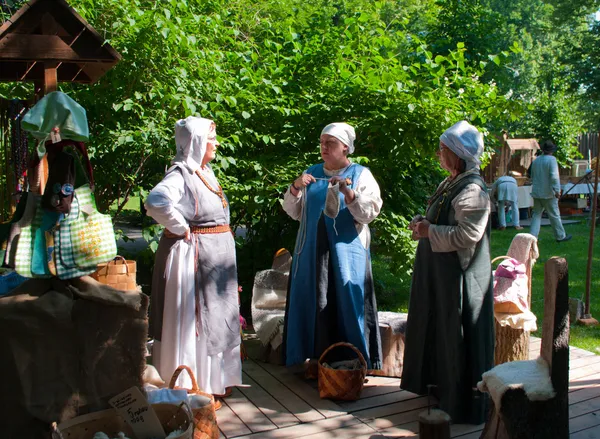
(28,227)
(84,239)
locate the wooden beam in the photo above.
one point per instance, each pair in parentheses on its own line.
(50,77)
(18,47)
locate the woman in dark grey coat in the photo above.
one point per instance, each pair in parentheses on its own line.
(450,331)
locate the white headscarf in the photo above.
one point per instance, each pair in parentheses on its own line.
(343,132)
(465,141)
(191,135)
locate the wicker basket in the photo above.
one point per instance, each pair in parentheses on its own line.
(205,418)
(172,417)
(118,273)
(341,384)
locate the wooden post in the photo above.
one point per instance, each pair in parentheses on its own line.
(434,424)
(588,280)
(50,77)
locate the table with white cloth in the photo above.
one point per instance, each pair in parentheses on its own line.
(577,189)
(525,200)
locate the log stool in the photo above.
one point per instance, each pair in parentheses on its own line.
(530,398)
(513,344)
(392,327)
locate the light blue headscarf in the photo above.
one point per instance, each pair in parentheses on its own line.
(465,141)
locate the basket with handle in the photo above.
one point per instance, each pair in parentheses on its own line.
(205,418)
(341,384)
(171,416)
(119,273)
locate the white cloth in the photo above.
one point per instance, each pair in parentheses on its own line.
(269,296)
(465,141)
(471,210)
(191,135)
(364,208)
(527,321)
(343,132)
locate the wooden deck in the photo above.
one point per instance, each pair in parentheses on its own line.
(280,404)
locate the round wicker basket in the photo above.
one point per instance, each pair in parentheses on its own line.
(205,418)
(341,384)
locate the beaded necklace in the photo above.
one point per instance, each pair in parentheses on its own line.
(218,192)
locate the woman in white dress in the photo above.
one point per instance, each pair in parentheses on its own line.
(194,315)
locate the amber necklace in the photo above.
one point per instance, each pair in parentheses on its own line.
(218,192)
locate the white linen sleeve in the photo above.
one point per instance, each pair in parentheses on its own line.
(162,201)
(292,204)
(472,209)
(367,201)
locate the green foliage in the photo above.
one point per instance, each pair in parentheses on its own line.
(272,73)
(271,76)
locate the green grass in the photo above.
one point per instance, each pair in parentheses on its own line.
(575,252)
(393,290)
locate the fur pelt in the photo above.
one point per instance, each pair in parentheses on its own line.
(533,376)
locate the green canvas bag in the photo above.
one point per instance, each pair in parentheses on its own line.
(85,238)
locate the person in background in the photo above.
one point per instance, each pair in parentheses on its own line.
(545,191)
(194,314)
(450,329)
(331,297)
(505,191)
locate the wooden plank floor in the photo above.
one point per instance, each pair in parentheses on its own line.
(279,403)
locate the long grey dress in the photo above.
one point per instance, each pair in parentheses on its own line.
(450,329)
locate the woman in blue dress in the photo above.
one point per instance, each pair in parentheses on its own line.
(331,296)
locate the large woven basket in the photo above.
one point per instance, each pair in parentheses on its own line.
(205,418)
(172,417)
(341,384)
(118,273)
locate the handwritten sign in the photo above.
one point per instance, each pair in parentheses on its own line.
(135,410)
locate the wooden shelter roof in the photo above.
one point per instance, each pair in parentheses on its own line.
(47,32)
(522,144)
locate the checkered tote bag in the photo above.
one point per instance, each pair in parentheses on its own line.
(66,268)
(86,237)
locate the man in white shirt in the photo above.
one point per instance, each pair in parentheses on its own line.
(545,192)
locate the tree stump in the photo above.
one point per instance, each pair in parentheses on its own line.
(392,348)
(511,344)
